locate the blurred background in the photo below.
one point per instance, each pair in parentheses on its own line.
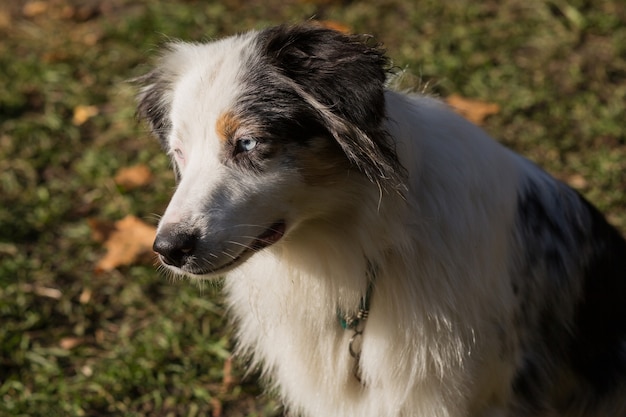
(88,326)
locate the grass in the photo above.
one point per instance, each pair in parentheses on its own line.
(129,342)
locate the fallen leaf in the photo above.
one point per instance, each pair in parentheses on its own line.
(85,296)
(68,343)
(42,291)
(133,177)
(129,242)
(83,113)
(334,25)
(227,380)
(100,335)
(68,11)
(81,12)
(53,56)
(87,370)
(5,19)
(34,8)
(217,406)
(577,181)
(92,38)
(475,111)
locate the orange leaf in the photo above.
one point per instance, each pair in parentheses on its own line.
(227,380)
(68,343)
(334,25)
(85,296)
(217,406)
(577,181)
(34,8)
(128,244)
(5,19)
(83,113)
(475,111)
(133,177)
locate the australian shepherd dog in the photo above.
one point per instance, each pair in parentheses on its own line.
(382,256)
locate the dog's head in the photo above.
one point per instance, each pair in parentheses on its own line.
(266,130)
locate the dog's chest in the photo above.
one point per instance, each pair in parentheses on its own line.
(290,328)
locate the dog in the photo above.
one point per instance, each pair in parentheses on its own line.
(382,256)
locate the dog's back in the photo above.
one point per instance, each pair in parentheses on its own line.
(563,326)
(384,257)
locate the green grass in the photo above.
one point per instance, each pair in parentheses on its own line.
(132,343)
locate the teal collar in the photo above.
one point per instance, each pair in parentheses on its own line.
(356,322)
(351,321)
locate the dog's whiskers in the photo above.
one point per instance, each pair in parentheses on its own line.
(243,245)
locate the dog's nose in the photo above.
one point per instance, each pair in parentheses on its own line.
(174,246)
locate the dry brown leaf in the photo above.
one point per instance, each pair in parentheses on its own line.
(83,113)
(133,177)
(334,25)
(42,291)
(100,335)
(129,243)
(85,296)
(92,38)
(87,370)
(81,11)
(577,181)
(68,343)
(475,111)
(53,56)
(34,8)
(217,406)
(5,19)
(227,380)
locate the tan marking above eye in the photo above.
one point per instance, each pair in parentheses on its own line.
(226,126)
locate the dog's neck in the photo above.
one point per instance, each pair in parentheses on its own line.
(355,322)
(350,321)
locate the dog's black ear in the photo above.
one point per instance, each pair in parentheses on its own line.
(341,71)
(342,77)
(153,103)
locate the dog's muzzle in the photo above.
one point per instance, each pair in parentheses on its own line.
(193,254)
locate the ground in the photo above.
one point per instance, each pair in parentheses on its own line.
(80,336)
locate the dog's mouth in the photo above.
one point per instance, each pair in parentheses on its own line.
(270,236)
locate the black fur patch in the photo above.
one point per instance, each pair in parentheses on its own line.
(346,77)
(598,347)
(572,301)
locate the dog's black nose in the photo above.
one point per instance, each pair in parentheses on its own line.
(174,246)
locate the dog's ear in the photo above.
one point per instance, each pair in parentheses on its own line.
(341,71)
(153,102)
(342,77)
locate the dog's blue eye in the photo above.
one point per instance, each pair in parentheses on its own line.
(246,144)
